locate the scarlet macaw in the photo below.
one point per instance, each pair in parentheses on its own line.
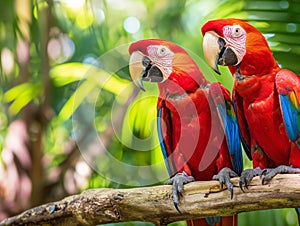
(194,117)
(266,97)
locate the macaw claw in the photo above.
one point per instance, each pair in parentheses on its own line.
(269,173)
(177,183)
(224,178)
(247,175)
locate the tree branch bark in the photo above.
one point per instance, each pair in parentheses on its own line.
(154,204)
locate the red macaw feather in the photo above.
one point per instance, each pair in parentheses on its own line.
(193,136)
(266,97)
(197,127)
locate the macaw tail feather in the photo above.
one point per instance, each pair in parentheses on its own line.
(215,221)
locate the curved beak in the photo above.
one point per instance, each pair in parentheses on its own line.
(136,69)
(143,69)
(216,53)
(211,50)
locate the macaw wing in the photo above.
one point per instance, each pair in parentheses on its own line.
(221,99)
(288,88)
(243,125)
(165,136)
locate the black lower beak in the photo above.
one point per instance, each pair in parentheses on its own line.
(226,56)
(151,73)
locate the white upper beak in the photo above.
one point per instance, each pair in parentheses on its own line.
(136,68)
(211,49)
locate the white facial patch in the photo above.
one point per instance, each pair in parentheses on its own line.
(162,57)
(236,39)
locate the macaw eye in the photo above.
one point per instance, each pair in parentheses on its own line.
(162,51)
(236,31)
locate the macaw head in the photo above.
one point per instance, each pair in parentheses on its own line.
(237,44)
(156,60)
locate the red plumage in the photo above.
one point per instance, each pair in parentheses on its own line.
(192,130)
(267,98)
(195,128)
(257,97)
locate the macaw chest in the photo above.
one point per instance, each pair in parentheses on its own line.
(190,121)
(195,130)
(265,123)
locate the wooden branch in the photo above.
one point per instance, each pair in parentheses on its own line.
(154,204)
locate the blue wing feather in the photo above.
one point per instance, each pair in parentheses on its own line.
(233,138)
(291,116)
(161,141)
(287,86)
(245,146)
(213,220)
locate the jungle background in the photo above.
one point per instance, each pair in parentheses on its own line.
(70,117)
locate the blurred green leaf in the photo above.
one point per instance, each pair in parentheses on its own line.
(76,99)
(71,72)
(90,77)
(67,73)
(21,95)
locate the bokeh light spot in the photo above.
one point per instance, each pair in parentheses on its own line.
(99,16)
(290,217)
(54,49)
(74,4)
(291,27)
(60,48)
(284,4)
(7,60)
(131,24)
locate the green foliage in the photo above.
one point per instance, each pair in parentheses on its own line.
(90,78)
(21,95)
